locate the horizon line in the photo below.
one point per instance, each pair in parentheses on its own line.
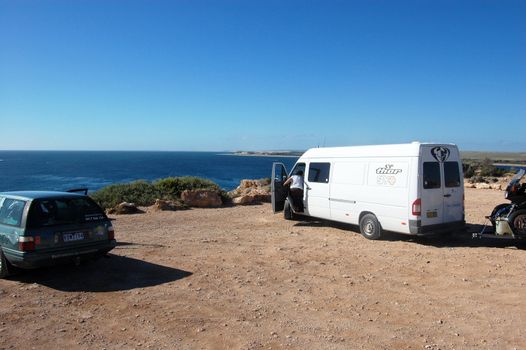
(205,151)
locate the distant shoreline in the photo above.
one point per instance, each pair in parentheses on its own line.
(499,158)
(510,165)
(265,154)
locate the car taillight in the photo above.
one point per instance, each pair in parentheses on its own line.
(26,244)
(416,208)
(111,233)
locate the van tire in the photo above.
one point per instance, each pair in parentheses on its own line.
(288,214)
(370,227)
(4,265)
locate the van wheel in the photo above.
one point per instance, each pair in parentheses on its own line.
(288,214)
(4,265)
(370,227)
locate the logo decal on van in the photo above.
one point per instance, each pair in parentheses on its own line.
(441,154)
(388,170)
(384,180)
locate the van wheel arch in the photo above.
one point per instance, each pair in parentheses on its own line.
(370,227)
(363,213)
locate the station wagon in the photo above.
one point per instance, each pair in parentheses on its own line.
(45,228)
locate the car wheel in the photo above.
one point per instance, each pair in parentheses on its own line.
(517,222)
(496,209)
(370,227)
(288,214)
(4,265)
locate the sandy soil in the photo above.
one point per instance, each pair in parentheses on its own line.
(243,278)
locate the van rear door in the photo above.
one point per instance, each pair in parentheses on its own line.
(432,205)
(453,191)
(278,191)
(442,190)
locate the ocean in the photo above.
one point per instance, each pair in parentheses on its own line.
(63,170)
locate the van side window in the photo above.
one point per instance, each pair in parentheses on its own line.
(11,212)
(451,174)
(319,172)
(431,175)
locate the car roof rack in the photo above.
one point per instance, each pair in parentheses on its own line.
(84,190)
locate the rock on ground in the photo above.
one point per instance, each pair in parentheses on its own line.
(251,192)
(162,205)
(201,198)
(124,208)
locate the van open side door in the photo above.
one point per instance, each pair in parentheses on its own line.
(278,191)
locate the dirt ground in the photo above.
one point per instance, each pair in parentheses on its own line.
(243,278)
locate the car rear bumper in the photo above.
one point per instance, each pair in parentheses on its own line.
(416,228)
(31,260)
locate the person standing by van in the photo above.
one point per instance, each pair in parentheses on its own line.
(296,190)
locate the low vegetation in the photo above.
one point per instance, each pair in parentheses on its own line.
(496,157)
(481,168)
(144,193)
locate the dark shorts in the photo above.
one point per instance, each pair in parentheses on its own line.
(297,199)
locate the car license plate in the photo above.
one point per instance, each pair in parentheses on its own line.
(432,214)
(74,236)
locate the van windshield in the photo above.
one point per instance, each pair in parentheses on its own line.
(63,211)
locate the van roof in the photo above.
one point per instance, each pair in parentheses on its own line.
(393,150)
(31,195)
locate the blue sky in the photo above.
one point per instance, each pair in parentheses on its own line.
(261,75)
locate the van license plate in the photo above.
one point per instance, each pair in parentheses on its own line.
(71,237)
(432,214)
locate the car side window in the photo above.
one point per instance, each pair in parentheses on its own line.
(11,212)
(319,172)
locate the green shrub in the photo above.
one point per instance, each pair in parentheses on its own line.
(172,187)
(477,179)
(487,169)
(469,170)
(144,193)
(139,192)
(481,168)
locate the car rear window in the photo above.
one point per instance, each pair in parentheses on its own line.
(11,211)
(64,211)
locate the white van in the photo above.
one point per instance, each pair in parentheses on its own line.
(414,188)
